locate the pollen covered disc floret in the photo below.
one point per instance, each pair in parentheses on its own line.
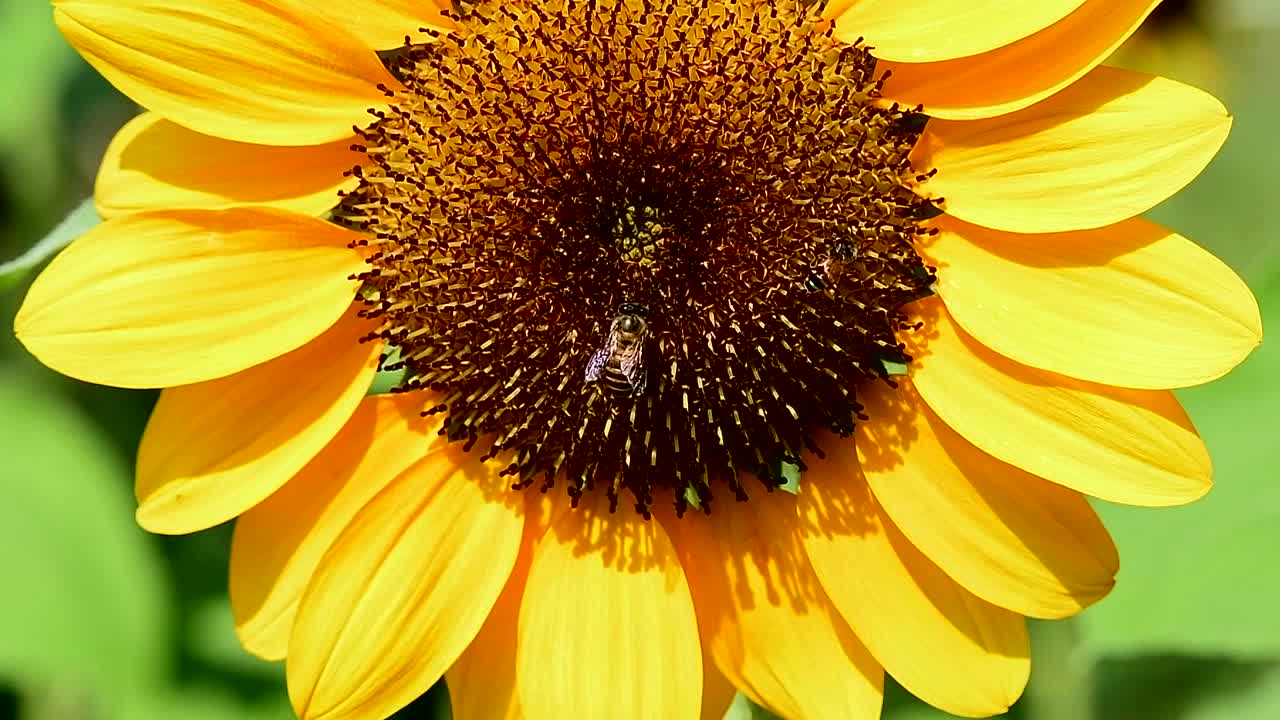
(640,247)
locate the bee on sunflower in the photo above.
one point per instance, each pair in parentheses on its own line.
(641,260)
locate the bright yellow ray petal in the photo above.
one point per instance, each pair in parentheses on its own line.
(1122,445)
(1021,73)
(932,30)
(1011,538)
(278,542)
(264,71)
(482,681)
(1108,147)
(607,628)
(170,298)
(767,621)
(383,24)
(947,646)
(403,590)
(1149,308)
(155,164)
(215,449)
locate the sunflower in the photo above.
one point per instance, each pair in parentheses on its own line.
(752,345)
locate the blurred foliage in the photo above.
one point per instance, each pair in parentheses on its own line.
(104,622)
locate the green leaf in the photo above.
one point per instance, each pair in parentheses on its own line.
(791,473)
(893,367)
(79,220)
(1258,696)
(691,497)
(386,380)
(84,601)
(1202,579)
(1157,687)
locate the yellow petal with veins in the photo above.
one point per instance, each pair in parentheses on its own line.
(1128,446)
(607,628)
(384,24)
(1011,538)
(1149,308)
(765,617)
(215,449)
(948,647)
(1108,147)
(1019,74)
(482,682)
(166,298)
(262,71)
(155,164)
(404,588)
(932,30)
(278,542)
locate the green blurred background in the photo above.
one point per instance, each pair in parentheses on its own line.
(101,621)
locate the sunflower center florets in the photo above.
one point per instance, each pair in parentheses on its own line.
(637,234)
(640,247)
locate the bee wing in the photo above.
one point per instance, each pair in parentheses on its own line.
(600,359)
(631,365)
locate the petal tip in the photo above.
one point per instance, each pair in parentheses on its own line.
(263,650)
(154,518)
(26,323)
(1198,486)
(21,327)
(1203,489)
(168,512)
(147,518)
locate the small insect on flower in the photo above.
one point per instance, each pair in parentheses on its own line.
(619,364)
(827,272)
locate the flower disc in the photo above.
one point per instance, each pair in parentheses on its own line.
(641,246)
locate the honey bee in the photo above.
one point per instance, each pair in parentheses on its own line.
(619,364)
(827,273)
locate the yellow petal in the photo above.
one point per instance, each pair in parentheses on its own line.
(404,588)
(1110,146)
(169,298)
(607,628)
(767,621)
(155,164)
(264,71)
(947,646)
(482,681)
(1130,304)
(1020,73)
(1012,538)
(717,691)
(383,24)
(279,541)
(1122,445)
(215,449)
(932,30)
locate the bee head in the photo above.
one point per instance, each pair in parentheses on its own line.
(636,309)
(630,323)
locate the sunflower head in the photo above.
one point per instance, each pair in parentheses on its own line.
(649,255)
(641,245)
